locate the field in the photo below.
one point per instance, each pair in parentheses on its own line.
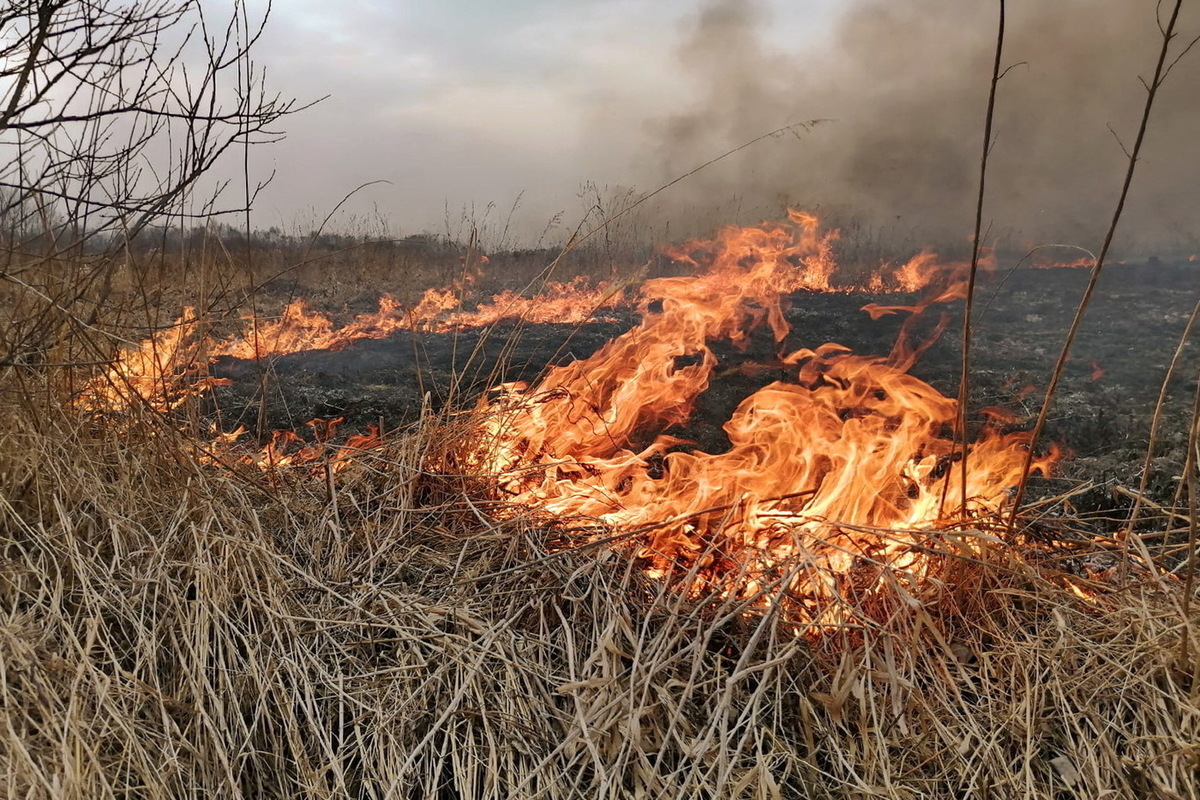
(179,628)
(773,513)
(1103,413)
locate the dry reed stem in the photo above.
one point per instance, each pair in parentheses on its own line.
(964,385)
(1190,467)
(1161,70)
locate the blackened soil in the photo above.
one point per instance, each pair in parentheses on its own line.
(390,380)
(1101,413)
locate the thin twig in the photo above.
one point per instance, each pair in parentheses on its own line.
(1039,426)
(965,382)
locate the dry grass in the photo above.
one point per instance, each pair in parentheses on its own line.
(170,630)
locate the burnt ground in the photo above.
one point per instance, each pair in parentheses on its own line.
(1129,335)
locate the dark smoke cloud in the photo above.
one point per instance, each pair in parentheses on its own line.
(904,85)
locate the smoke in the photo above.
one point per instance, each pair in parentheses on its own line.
(904,86)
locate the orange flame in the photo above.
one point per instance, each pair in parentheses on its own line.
(849,459)
(170,367)
(1079,263)
(299,329)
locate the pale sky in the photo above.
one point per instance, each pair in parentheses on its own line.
(460,104)
(455,102)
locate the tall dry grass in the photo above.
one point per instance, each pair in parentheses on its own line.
(169,629)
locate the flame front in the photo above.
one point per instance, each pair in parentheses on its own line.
(167,369)
(846,462)
(847,467)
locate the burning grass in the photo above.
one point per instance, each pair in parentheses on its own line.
(172,630)
(511,603)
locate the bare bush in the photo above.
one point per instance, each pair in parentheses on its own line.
(110,116)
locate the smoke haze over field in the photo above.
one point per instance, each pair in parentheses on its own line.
(904,85)
(457,105)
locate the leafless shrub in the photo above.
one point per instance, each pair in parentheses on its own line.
(111,114)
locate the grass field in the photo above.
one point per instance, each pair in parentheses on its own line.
(556,588)
(172,628)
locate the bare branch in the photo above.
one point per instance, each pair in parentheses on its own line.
(1117,136)
(1182,53)
(95,91)
(1168,33)
(1011,67)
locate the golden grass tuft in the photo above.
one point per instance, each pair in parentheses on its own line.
(171,630)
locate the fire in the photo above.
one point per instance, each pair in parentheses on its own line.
(163,371)
(847,466)
(299,329)
(846,462)
(913,276)
(1078,263)
(287,449)
(167,369)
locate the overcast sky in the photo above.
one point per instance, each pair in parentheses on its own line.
(466,103)
(455,102)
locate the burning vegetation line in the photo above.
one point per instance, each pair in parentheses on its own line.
(818,464)
(848,445)
(171,366)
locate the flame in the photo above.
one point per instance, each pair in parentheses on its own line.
(287,449)
(163,371)
(299,329)
(167,369)
(847,461)
(1079,263)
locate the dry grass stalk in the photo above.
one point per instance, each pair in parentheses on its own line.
(1156,420)
(171,630)
(964,385)
(1162,69)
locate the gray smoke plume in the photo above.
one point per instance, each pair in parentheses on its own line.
(904,86)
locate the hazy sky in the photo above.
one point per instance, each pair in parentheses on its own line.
(476,101)
(457,103)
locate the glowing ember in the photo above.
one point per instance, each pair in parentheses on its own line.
(843,464)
